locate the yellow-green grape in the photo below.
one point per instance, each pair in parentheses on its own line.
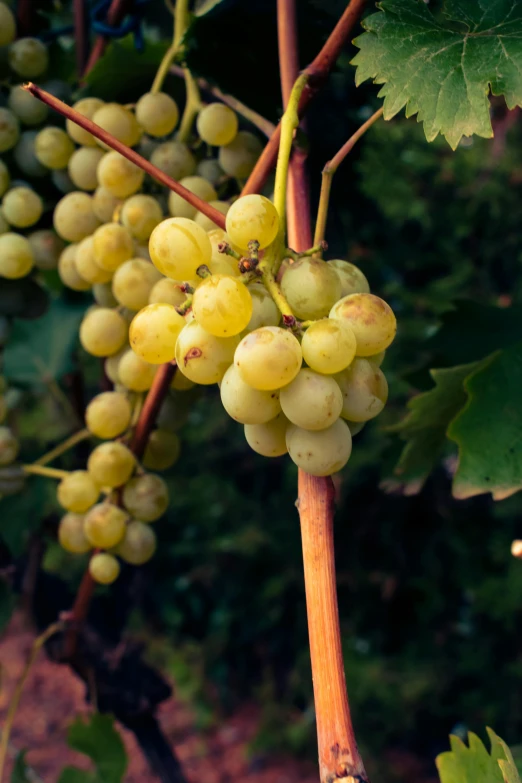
(371,319)
(28,109)
(264,310)
(268,358)
(7,25)
(154,331)
(320,453)
(9,130)
(205,222)
(22,207)
(364,389)
(104,568)
(118,175)
(311,287)
(25,156)
(88,108)
(5,177)
(252,217)
(312,401)
(28,57)
(328,346)
(352,279)
(16,256)
(105,204)
(112,246)
(175,159)
(245,404)
(119,122)
(138,544)
(201,356)
(86,265)
(82,167)
(162,450)
(146,497)
(71,535)
(217,124)
(46,247)
(167,291)
(103,332)
(157,113)
(4,225)
(178,247)
(60,178)
(238,158)
(53,148)
(68,272)
(179,207)
(268,439)
(9,446)
(78,491)
(141,214)
(133,281)
(211,170)
(134,373)
(180,382)
(103,296)
(108,415)
(222,305)
(74,217)
(111,465)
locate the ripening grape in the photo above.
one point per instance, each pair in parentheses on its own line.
(9,446)
(174,158)
(105,204)
(118,175)
(204,221)
(111,465)
(74,217)
(104,568)
(222,305)
(88,108)
(157,113)
(264,310)
(46,247)
(60,179)
(68,272)
(86,265)
(103,332)
(4,225)
(103,296)
(78,491)
(364,389)
(22,207)
(320,453)
(268,358)
(134,373)
(28,109)
(9,130)
(7,25)
(210,169)
(252,217)
(82,167)
(201,356)
(154,331)
(25,156)
(245,404)
(53,148)
(16,256)
(71,535)
(167,291)
(146,497)
(268,439)
(28,57)
(352,279)
(162,450)
(119,122)
(238,158)
(5,178)
(328,346)
(311,287)
(138,544)
(179,207)
(371,319)
(133,282)
(312,401)
(178,247)
(141,214)
(112,246)
(108,415)
(217,124)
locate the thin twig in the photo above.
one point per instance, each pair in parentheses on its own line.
(81,35)
(116,13)
(63,447)
(151,407)
(171,52)
(40,470)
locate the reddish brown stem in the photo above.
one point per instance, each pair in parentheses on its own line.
(66,111)
(287,42)
(151,407)
(115,15)
(78,613)
(81,34)
(24,17)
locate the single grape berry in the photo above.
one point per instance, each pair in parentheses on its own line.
(157,113)
(320,453)
(154,331)
(78,491)
(108,415)
(371,319)
(138,544)
(111,464)
(217,124)
(104,568)
(104,525)
(250,218)
(71,535)
(146,497)
(203,357)
(268,358)
(268,439)
(222,305)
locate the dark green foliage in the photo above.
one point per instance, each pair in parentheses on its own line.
(98,739)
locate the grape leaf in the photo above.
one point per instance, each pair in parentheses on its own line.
(203,7)
(473,763)
(124,73)
(443,67)
(76,775)
(20,773)
(488,430)
(98,739)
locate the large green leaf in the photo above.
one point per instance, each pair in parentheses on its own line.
(488,430)
(473,763)
(123,72)
(442,68)
(75,775)
(98,739)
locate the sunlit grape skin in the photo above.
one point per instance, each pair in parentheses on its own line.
(154,331)
(140,214)
(245,404)
(133,281)
(157,113)
(104,568)
(74,217)
(180,207)
(53,148)
(111,464)
(371,319)
(134,373)
(108,415)
(16,256)
(68,271)
(118,175)
(365,390)
(311,401)
(178,246)
(268,358)
(71,535)
(353,281)
(103,332)
(146,497)
(217,124)
(252,217)
(77,492)
(320,453)
(222,305)
(112,246)
(104,525)
(328,346)
(119,122)
(203,357)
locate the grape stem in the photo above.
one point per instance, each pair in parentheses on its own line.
(274,290)
(192,106)
(67,444)
(177,37)
(312,251)
(115,15)
(81,36)
(40,470)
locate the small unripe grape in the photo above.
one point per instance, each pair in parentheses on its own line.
(9,446)
(174,158)
(134,373)
(311,287)
(146,497)
(78,491)
(320,453)
(105,204)
(71,535)
(108,415)
(103,296)
(28,57)
(16,256)
(7,25)
(222,305)
(162,450)
(371,319)
(252,217)
(268,358)
(245,404)
(28,109)
(352,279)
(203,357)
(118,175)
(205,222)
(119,122)
(22,207)
(25,156)
(133,282)
(53,148)
(112,246)
(312,401)
(140,215)
(86,263)
(217,124)
(167,291)
(154,331)
(268,439)
(104,568)
(364,389)
(210,169)
(74,217)
(157,113)
(9,130)
(5,178)
(178,247)
(138,544)
(103,332)
(47,248)
(111,464)
(328,346)
(239,157)
(82,167)
(68,272)
(179,207)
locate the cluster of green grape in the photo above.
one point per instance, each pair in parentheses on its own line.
(11,477)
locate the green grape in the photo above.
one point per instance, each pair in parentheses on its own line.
(112,246)
(264,309)
(211,171)
(74,217)
(68,272)
(46,247)
(217,124)
(252,217)
(53,148)
(28,57)
(103,296)
(167,291)
(133,281)
(104,568)
(222,305)
(111,464)
(7,25)
(82,167)
(371,319)
(364,390)
(88,108)
(103,332)
(157,113)
(268,439)
(86,265)
(9,130)
(138,544)
(134,373)
(154,331)
(320,453)
(311,287)
(119,122)
(118,175)
(105,204)
(16,256)
(328,346)
(141,214)
(245,404)
(178,247)
(4,225)
(162,450)
(22,207)
(174,158)
(60,179)
(146,497)
(9,446)
(352,279)
(5,178)
(25,156)
(108,415)
(268,358)
(205,222)
(178,207)
(77,492)
(201,356)
(312,401)
(71,535)
(238,158)
(28,109)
